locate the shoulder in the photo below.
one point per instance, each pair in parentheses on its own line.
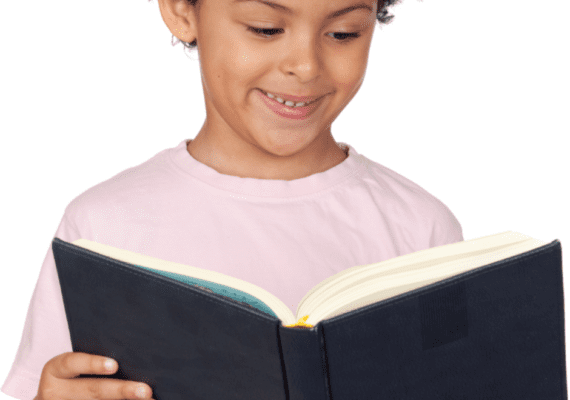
(425,217)
(127,191)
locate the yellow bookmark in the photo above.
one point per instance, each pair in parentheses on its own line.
(301,323)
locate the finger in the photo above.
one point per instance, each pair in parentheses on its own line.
(72,364)
(113,389)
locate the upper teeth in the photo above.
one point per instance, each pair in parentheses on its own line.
(287,103)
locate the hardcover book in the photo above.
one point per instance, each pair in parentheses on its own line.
(478,319)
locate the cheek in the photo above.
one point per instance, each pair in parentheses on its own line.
(241,56)
(244,66)
(348,71)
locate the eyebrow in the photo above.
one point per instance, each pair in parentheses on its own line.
(289,11)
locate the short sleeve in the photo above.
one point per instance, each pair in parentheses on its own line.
(446,229)
(46,333)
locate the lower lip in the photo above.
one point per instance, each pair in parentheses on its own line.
(288,112)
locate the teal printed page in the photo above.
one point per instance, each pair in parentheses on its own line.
(227,291)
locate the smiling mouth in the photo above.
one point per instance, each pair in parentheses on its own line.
(288,110)
(283,101)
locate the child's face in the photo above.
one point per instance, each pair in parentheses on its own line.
(302,54)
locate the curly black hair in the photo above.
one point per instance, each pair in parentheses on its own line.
(383,18)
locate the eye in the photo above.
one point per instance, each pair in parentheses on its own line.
(269,32)
(347,35)
(262,31)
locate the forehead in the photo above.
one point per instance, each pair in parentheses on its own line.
(338,8)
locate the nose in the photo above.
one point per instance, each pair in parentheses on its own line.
(303,57)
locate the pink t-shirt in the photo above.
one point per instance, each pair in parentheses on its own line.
(283,236)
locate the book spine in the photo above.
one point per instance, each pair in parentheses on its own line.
(305,369)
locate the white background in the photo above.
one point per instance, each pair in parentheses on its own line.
(468,99)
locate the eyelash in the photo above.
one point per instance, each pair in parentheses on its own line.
(263,32)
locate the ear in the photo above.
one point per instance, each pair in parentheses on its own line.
(180,18)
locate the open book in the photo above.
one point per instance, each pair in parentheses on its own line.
(478,319)
(345,291)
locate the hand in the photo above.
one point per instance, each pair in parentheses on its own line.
(59,382)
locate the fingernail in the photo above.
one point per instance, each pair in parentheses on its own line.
(109,364)
(141,391)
